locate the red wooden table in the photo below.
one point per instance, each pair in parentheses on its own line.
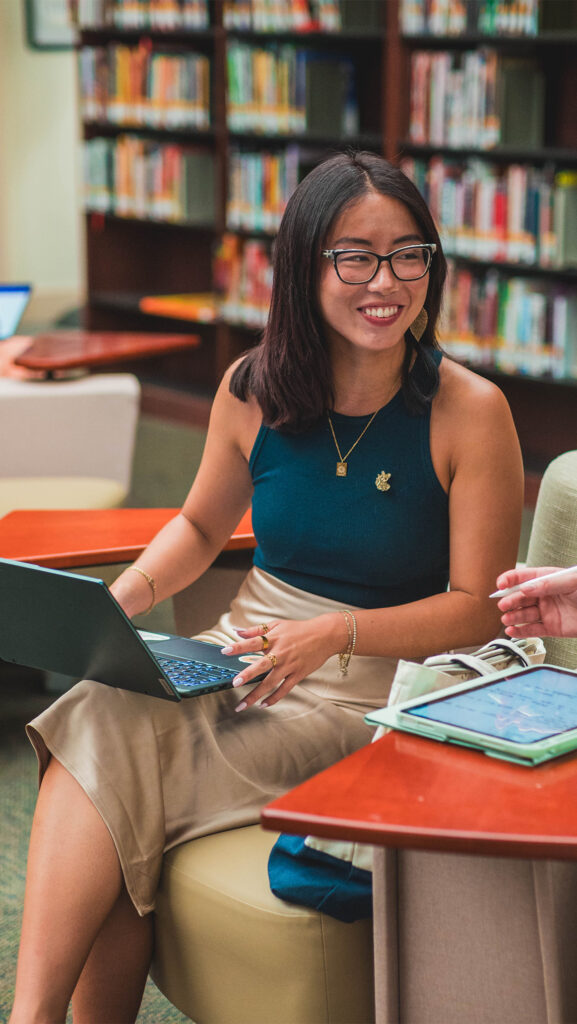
(409,792)
(63,539)
(60,351)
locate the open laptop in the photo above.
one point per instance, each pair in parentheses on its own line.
(61,622)
(13,301)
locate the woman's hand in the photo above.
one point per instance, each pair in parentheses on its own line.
(540,608)
(291,650)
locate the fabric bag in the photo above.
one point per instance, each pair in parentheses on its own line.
(335,876)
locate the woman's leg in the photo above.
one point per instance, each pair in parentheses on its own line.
(109,990)
(73,883)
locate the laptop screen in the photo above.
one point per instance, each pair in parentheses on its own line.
(13,301)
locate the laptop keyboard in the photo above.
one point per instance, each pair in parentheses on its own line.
(185,675)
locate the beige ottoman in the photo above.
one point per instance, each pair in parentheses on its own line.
(229,952)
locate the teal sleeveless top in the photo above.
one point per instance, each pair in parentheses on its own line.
(343,537)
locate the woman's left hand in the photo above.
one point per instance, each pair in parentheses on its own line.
(291,650)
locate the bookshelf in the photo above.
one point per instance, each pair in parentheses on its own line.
(198,120)
(205,115)
(489,137)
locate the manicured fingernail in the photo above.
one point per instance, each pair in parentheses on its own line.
(263,704)
(226,650)
(238,681)
(240,707)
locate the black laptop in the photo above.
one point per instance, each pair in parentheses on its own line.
(62,622)
(13,301)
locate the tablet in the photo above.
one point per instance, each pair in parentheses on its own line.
(525,715)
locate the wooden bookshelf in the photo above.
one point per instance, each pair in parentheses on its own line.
(129,257)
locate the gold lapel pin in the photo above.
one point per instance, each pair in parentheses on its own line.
(382,481)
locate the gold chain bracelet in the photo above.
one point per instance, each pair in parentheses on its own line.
(346,655)
(151,583)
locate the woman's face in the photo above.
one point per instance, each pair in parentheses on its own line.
(372,316)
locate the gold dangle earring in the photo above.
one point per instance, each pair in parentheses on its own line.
(419,325)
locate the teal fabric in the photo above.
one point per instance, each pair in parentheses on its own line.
(342,537)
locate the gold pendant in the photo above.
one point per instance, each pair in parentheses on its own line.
(341,469)
(382,481)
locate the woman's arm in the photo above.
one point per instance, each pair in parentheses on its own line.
(220,494)
(477,458)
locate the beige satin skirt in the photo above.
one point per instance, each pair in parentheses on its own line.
(161,773)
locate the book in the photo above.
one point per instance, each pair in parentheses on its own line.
(202,306)
(565,218)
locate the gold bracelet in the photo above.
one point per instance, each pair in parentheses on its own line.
(151,583)
(345,656)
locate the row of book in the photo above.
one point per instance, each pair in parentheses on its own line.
(134,177)
(242,274)
(302,15)
(477,99)
(135,85)
(452,17)
(259,188)
(162,15)
(514,324)
(285,88)
(512,214)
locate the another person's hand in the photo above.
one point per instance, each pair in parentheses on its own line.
(541,607)
(292,650)
(10,349)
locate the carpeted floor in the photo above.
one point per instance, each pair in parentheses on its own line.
(166,460)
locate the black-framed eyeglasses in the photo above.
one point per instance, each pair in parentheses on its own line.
(359,266)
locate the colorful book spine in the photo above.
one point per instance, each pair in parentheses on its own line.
(138,15)
(453,17)
(497,213)
(475,99)
(515,324)
(283,89)
(135,177)
(284,15)
(243,275)
(259,188)
(136,85)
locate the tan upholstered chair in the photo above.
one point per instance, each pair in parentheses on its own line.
(67,444)
(228,951)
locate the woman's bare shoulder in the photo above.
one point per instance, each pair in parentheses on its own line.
(239,418)
(464,392)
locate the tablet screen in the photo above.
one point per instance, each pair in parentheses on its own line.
(523,708)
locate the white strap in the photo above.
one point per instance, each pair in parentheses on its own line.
(506,645)
(444,662)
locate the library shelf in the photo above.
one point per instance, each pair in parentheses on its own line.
(129,257)
(538,156)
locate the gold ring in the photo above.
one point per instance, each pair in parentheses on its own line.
(272,659)
(265,643)
(263,628)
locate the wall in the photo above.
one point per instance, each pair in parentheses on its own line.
(40,223)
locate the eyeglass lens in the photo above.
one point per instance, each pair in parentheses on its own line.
(407,264)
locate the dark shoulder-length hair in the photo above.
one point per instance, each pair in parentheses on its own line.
(289,371)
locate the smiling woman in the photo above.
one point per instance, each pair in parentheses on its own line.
(386,491)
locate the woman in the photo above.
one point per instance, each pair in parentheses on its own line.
(379,472)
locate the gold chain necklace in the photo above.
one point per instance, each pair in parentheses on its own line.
(342,463)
